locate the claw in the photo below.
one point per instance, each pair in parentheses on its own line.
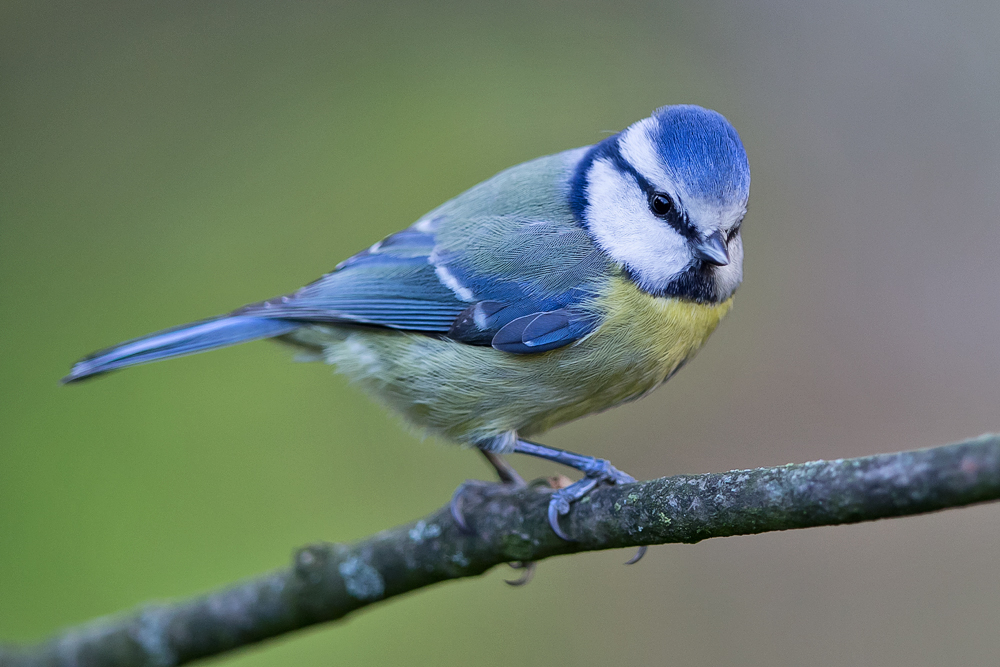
(558,506)
(455,507)
(561,499)
(457,498)
(526,576)
(640,552)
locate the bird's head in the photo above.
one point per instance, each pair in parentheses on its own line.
(665,198)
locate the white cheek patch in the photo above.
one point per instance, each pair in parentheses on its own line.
(619,219)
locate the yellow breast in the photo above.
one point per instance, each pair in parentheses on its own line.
(641,341)
(661,331)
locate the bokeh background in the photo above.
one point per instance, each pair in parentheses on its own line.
(166,161)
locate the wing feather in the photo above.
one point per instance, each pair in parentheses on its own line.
(506,250)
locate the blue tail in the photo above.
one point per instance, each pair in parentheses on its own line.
(179,341)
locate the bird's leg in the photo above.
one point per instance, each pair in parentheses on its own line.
(594,470)
(505,471)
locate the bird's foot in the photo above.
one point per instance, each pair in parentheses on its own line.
(598,470)
(504,471)
(508,476)
(594,470)
(457,504)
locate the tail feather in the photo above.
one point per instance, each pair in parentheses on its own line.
(179,341)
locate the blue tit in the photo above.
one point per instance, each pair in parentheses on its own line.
(557,288)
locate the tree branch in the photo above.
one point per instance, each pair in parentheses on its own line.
(329,581)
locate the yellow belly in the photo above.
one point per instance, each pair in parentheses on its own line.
(475,394)
(662,332)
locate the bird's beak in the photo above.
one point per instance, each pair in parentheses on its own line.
(713,249)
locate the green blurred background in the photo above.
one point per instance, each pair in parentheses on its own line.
(166,161)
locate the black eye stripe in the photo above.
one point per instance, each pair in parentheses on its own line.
(608,149)
(674,217)
(663,207)
(680,223)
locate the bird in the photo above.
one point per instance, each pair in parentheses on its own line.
(560,287)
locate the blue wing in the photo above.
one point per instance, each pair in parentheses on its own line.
(504,264)
(518,285)
(392,284)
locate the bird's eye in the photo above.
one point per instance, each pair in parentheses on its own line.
(661,204)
